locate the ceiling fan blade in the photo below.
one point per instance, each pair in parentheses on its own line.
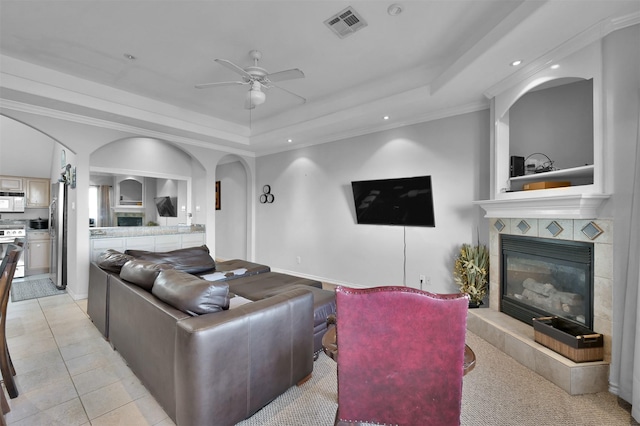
(221,83)
(289,92)
(285,75)
(233,67)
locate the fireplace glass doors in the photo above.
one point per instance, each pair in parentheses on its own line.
(544,277)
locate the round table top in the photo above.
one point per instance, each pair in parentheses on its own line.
(330,348)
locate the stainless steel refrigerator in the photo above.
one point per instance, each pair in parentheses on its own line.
(58,234)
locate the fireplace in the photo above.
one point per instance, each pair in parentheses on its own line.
(546,277)
(129,218)
(129,221)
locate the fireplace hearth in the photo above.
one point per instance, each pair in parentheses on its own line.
(516,337)
(547,277)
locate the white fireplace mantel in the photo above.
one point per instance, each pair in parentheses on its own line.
(580,206)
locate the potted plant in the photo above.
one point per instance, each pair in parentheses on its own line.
(471,272)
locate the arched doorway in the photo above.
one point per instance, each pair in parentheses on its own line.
(232,218)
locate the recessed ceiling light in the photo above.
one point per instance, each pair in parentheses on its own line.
(386,117)
(395,9)
(289,140)
(129,56)
(555,66)
(516,63)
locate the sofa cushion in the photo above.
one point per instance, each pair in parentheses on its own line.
(191,294)
(113,260)
(142,272)
(192,259)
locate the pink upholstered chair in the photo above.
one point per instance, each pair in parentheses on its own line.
(400,356)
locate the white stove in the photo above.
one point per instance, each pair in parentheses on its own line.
(8,234)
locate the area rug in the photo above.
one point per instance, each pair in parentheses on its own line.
(33,289)
(499,391)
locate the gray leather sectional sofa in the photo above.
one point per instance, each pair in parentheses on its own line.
(210,352)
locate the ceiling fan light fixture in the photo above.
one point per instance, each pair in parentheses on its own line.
(255,96)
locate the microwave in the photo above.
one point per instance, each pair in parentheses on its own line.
(11,202)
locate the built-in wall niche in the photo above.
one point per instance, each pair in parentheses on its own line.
(554,119)
(130,191)
(551,135)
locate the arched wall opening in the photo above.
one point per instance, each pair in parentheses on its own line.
(163,169)
(233,217)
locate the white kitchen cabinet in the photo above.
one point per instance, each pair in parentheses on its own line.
(37,192)
(167,242)
(156,243)
(99,246)
(10,183)
(140,243)
(38,253)
(192,240)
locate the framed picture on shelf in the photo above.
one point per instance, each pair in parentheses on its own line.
(217,195)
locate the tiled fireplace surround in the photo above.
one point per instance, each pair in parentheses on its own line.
(515,338)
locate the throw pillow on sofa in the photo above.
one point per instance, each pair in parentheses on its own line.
(191,294)
(142,272)
(113,260)
(191,259)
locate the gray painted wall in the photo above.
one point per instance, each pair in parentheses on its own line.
(231,219)
(557,122)
(313,216)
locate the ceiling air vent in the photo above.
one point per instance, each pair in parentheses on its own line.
(345,22)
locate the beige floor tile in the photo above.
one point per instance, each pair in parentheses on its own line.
(35,361)
(71,335)
(45,376)
(61,299)
(41,399)
(17,327)
(129,415)
(82,304)
(92,361)
(59,354)
(64,316)
(71,413)
(106,399)
(166,422)
(134,387)
(97,378)
(24,305)
(85,347)
(151,410)
(21,348)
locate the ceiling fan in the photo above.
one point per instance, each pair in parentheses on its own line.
(257,78)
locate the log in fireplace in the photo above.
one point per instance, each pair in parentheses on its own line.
(546,277)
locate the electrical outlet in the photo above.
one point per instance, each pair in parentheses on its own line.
(427,282)
(422,281)
(298,260)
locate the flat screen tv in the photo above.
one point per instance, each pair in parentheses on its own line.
(166,206)
(403,201)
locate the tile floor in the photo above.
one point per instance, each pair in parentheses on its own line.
(67,374)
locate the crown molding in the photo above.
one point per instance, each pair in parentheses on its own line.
(6,104)
(580,41)
(352,133)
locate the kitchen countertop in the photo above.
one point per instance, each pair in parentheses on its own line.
(143,231)
(20,222)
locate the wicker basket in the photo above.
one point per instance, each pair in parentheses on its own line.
(571,340)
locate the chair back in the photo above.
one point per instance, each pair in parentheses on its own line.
(10,247)
(400,356)
(7,270)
